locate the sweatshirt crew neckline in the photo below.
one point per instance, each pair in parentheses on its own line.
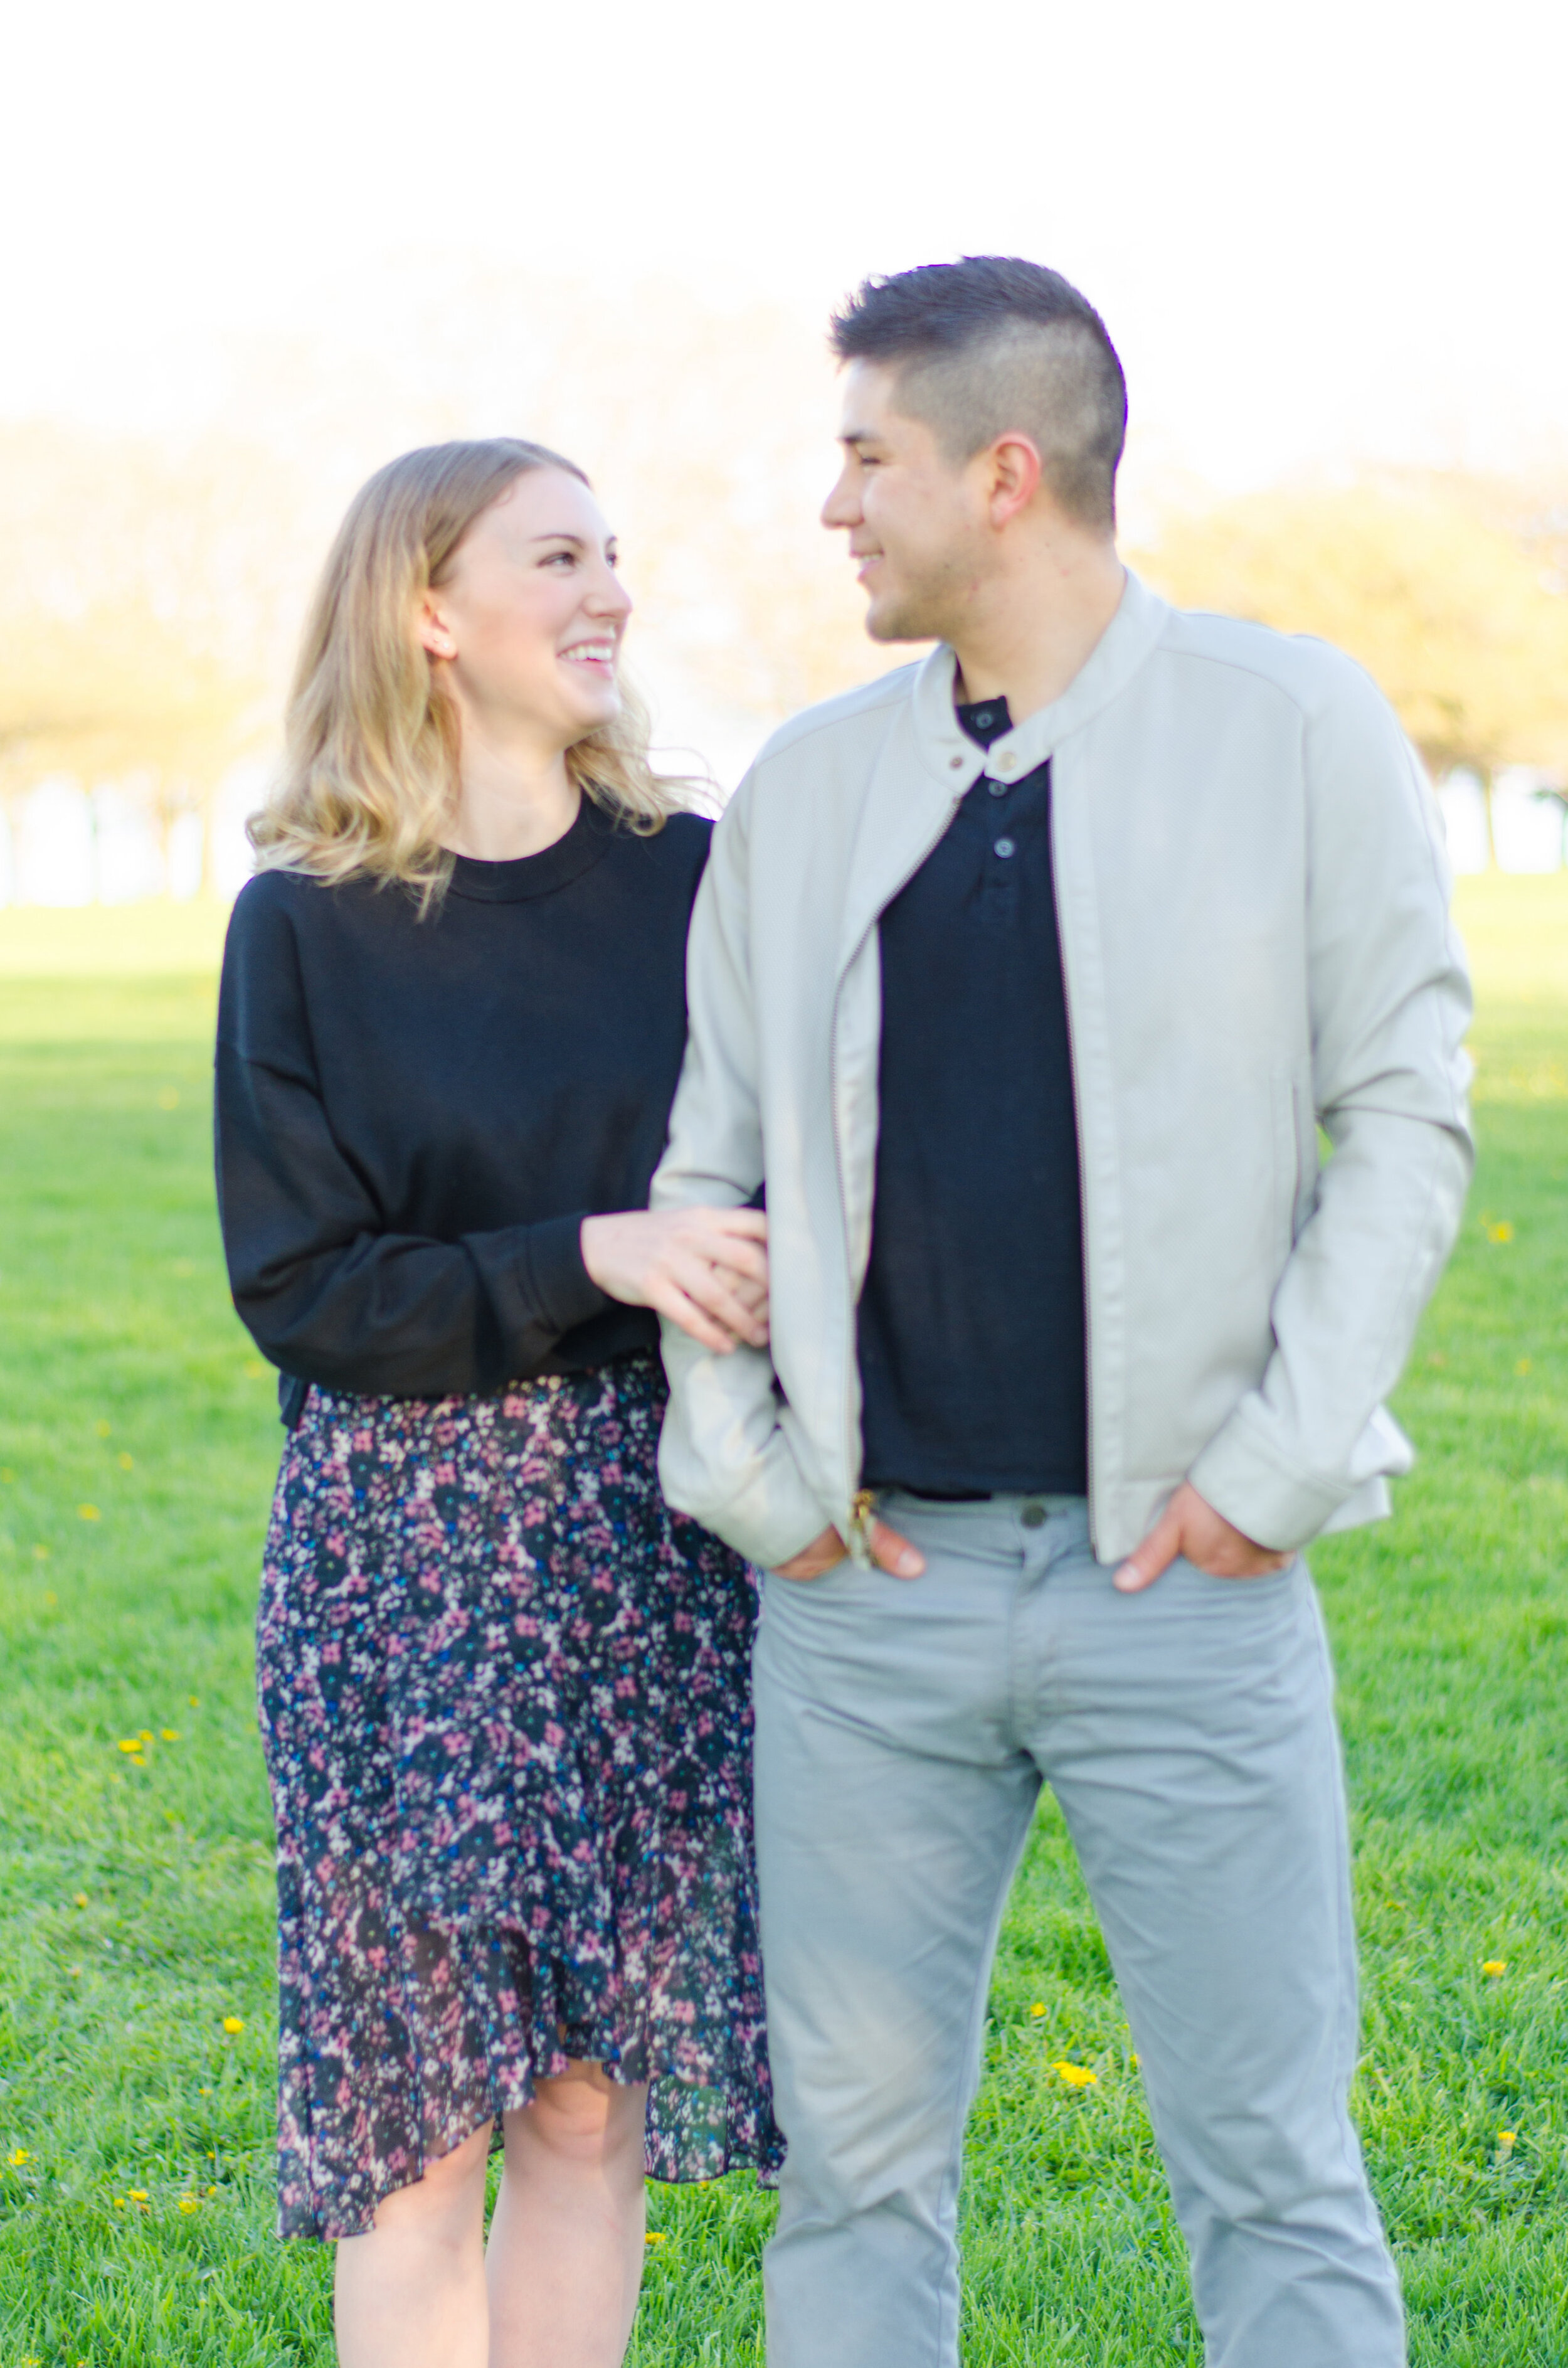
(522,876)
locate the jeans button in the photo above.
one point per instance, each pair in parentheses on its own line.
(1033,1517)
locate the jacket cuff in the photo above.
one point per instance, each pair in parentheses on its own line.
(1270,1502)
(768,1519)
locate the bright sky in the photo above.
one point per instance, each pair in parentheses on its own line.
(1314,229)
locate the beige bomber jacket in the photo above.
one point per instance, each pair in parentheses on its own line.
(1253,901)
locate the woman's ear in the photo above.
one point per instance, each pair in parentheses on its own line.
(435,634)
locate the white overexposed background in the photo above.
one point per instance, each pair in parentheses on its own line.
(282,243)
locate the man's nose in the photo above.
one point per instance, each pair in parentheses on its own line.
(842,507)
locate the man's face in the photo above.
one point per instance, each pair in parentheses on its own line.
(915,519)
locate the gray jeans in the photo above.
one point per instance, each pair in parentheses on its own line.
(904,1730)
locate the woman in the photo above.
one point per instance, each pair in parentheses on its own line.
(502,1689)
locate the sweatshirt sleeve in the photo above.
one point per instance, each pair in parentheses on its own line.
(325,1289)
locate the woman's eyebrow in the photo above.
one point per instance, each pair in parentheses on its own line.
(562,537)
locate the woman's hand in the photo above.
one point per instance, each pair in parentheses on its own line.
(705,1269)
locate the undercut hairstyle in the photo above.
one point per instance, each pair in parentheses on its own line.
(993,344)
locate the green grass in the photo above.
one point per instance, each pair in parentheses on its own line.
(136,1899)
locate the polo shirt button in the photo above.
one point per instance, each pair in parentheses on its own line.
(1003,846)
(1008,761)
(1033,1517)
(955,764)
(997,789)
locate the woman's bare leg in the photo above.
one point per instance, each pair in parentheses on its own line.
(411,2293)
(565,2257)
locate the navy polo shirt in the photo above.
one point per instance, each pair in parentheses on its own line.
(972,1327)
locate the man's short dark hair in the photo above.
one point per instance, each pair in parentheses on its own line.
(994,343)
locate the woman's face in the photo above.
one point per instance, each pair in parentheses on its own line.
(529,619)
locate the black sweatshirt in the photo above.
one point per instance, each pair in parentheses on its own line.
(971,1329)
(413,1116)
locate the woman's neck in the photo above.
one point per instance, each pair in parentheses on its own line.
(510,804)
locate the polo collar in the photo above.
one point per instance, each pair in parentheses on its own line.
(945,747)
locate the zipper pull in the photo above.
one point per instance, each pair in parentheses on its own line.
(862,1513)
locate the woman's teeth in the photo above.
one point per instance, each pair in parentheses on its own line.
(594,653)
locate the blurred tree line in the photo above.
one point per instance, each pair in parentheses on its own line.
(153,588)
(129,652)
(1451,589)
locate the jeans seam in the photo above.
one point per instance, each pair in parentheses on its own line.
(948,2194)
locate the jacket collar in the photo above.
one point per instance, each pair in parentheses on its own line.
(1121,649)
(907,807)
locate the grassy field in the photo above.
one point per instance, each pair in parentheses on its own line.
(138,1440)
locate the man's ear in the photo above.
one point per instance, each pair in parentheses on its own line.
(1013,466)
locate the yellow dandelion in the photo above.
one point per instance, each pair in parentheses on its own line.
(51,1598)
(1522,1367)
(169,1733)
(1495,1965)
(1077,2076)
(654,2237)
(1136,2057)
(1505,2139)
(207,2092)
(7,1473)
(103,1428)
(1502,1232)
(88,1513)
(17,2156)
(233,2025)
(145,1735)
(192,1700)
(212,2191)
(189,2203)
(120,2202)
(130,1743)
(1036,2011)
(137,2194)
(127,1463)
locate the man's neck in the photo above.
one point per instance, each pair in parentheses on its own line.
(1030,633)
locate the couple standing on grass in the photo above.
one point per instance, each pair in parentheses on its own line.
(1012,1328)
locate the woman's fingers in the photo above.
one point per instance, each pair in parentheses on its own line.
(750,1223)
(667,1297)
(736,1251)
(681,1261)
(711,1287)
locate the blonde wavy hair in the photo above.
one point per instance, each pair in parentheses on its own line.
(371,738)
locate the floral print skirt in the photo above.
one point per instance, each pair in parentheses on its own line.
(504,1698)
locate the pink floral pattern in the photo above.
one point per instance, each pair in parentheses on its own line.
(504,1699)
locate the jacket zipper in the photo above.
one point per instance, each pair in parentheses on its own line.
(862,1503)
(1082,1177)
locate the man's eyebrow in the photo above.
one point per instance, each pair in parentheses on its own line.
(861,435)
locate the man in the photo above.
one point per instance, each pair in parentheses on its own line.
(1022,980)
